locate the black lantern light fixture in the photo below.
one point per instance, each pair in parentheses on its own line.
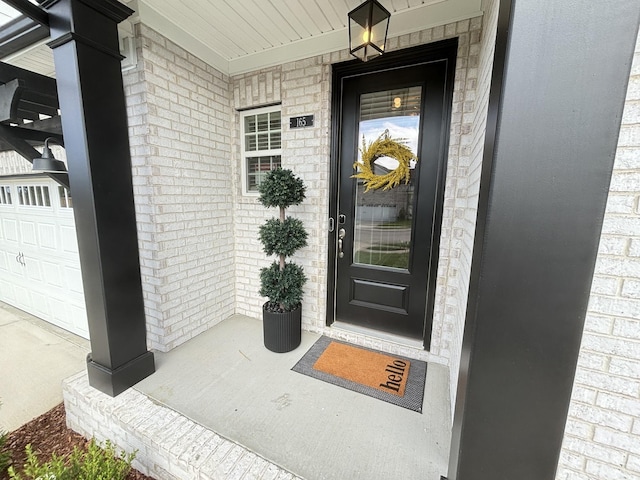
(368,27)
(48,163)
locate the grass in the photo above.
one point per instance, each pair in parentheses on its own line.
(388,247)
(395,260)
(397,224)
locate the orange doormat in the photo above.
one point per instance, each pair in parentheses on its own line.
(391,378)
(376,370)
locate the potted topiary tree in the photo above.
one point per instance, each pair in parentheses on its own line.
(282,282)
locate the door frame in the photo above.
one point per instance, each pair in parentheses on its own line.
(443,50)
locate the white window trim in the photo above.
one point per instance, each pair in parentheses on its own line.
(257,153)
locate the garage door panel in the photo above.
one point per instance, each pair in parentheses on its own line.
(15,268)
(32,269)
(78,317)
(10,229)
(28,233)
(60,314)
(39,304)
(47,237)
(22,298)
(4,263)
(74,280)
(68,239)
(52,274)
(7,293)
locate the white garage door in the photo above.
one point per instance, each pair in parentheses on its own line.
(39,263)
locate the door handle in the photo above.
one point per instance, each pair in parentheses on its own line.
(341,234)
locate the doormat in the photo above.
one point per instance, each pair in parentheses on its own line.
(391,378)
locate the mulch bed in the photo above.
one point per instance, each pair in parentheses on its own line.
(49,434)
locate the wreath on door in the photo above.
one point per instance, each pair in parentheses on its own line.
(384,146)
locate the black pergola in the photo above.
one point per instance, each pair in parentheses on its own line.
(29,109)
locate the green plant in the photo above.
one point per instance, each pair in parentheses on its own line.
(96,463)
(282,282)
(5,455)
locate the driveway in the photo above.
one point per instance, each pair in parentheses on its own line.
(35,357)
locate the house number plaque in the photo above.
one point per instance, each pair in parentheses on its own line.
(301,122)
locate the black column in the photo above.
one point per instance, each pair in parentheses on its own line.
(94,123)
(557,95)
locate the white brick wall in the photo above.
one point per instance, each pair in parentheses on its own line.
(473,109)
(12,163)
(179,120)
(602,436)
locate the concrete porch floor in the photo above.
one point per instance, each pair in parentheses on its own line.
(224,381)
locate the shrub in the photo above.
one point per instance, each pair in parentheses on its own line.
(96,463)
(5,455)
(282,282)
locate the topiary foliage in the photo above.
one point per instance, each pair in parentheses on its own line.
(283,238)
(281,188)
(282,282)
(283,287)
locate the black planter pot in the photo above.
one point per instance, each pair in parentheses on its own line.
(282,331)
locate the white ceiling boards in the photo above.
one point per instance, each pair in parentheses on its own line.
(241,36)
(237,37)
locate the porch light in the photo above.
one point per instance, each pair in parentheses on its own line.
(48,163)
(368,27)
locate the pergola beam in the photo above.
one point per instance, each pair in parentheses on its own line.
(19,34)
(23,148)
(36,82)
(30,10)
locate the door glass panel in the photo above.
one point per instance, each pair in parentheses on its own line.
(384,218)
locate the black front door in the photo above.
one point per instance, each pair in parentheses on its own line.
(385,242)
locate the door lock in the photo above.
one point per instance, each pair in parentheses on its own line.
(341,234)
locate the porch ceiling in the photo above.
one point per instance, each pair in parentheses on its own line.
(237,37)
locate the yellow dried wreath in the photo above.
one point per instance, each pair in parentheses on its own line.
(384,146)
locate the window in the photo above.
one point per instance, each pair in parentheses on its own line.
(34,195)
(65,198)
(261,131)
(5,195)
